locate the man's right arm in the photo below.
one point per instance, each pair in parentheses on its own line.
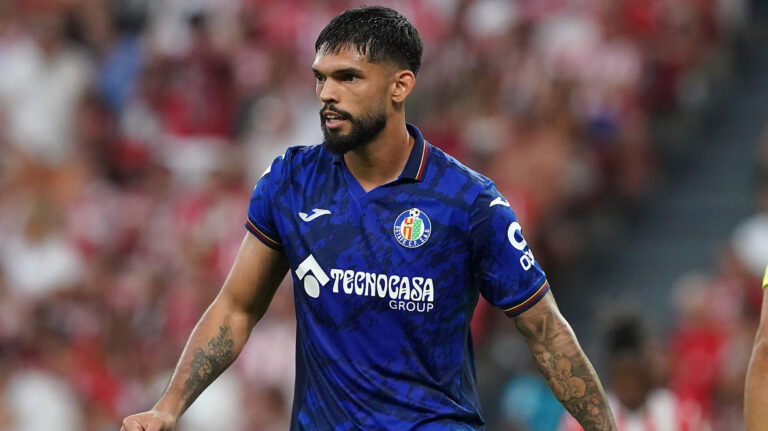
(220,334)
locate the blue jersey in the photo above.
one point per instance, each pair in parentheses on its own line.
(386,283)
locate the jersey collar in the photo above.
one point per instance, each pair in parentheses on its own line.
(417,161)
(416,165)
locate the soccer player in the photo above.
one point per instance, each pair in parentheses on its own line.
(756,390)
(389,242)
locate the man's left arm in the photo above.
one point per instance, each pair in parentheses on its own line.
(564,365)
(756,385)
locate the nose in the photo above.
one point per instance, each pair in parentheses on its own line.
(326,92)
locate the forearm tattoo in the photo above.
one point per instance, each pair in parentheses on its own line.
(207,365)
(568,372)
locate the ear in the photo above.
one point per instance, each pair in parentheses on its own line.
(403,85)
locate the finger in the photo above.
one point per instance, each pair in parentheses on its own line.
(132,425)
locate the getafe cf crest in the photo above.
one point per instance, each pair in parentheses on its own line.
(412,228)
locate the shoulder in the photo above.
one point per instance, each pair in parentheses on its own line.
(297,159)
(447,172)
(447,162)
(471,190)
(302,154)
(296,163)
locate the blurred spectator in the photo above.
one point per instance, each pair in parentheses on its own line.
(199,98)
(43,77)
(265,409)
(125,55)
(750,238)
(637,403)
(40,245)
(39,400)
(276,334)
(528,405)
(710,345)
(40,394)
(218,407)
(697,343)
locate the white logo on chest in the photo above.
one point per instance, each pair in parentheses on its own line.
(401,292)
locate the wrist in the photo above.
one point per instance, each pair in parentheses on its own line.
(168,409)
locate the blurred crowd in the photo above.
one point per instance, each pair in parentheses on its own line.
(691,376)
(131,133)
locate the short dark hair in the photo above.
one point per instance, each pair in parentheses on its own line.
(380,33)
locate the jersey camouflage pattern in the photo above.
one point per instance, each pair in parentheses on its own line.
(386,283)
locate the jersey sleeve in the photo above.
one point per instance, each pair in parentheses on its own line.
(261,220)
(505,269)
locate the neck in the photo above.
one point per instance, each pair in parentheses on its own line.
(383,159)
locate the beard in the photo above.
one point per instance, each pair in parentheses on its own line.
(365,129)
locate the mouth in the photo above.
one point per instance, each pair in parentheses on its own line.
(332,119)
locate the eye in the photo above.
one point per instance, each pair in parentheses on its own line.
(349,78)
(319,78)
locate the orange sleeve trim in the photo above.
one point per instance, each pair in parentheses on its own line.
(259,233)
(530,301)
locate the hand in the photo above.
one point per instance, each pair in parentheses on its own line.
(152,420)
